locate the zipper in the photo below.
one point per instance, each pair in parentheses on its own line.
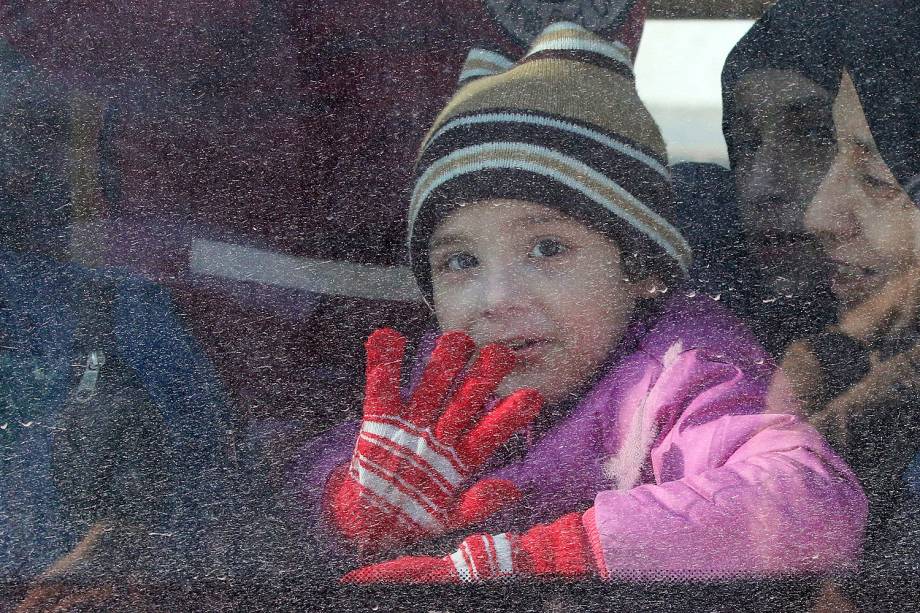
(86,389)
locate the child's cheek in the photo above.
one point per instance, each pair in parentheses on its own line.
(521,378)
(510,384)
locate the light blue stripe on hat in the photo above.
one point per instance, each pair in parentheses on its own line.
(485,55)
(580,39)
(497,63)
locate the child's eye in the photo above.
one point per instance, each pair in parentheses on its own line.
(547,248)
(460,261)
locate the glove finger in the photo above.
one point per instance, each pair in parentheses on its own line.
(493,364)
(484,499)
(385,350)
(407,569)
(512,413)
(450,356)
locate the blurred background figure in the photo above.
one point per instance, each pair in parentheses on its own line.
(113,425)
(746,226)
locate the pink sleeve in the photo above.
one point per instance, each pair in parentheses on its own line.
(736,492)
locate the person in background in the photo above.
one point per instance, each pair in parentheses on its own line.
(858,379)
(113,423)
(752,251)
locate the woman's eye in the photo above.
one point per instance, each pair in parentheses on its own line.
(822,135)
(746,140)
(879,184)
(547,248)
(816,132)
(460,261)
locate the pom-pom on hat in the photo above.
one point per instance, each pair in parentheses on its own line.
(563,127)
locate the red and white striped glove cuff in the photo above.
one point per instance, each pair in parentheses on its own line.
(483,557)
(564,548)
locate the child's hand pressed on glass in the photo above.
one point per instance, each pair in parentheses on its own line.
(409,476)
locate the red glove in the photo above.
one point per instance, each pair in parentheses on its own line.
(560,549)
(408,476)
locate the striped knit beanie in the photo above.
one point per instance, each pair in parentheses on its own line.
(562,127)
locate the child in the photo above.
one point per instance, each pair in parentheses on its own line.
(540,231)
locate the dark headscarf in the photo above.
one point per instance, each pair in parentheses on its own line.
(880,48)
(797,35)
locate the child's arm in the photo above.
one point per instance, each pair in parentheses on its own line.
(782,504)
(568,547)
(737,492)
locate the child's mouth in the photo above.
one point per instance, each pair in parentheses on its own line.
(526,349)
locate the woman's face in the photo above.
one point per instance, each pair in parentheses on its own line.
(783,142)
(867,224)
(543,284)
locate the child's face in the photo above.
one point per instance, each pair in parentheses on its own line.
(541,283)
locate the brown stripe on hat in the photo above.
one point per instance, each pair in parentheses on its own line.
(555,166)
(560,87)
(584,57)
(599,149)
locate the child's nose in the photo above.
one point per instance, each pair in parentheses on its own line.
(503,293)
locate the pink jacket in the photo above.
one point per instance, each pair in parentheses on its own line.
(681,469)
